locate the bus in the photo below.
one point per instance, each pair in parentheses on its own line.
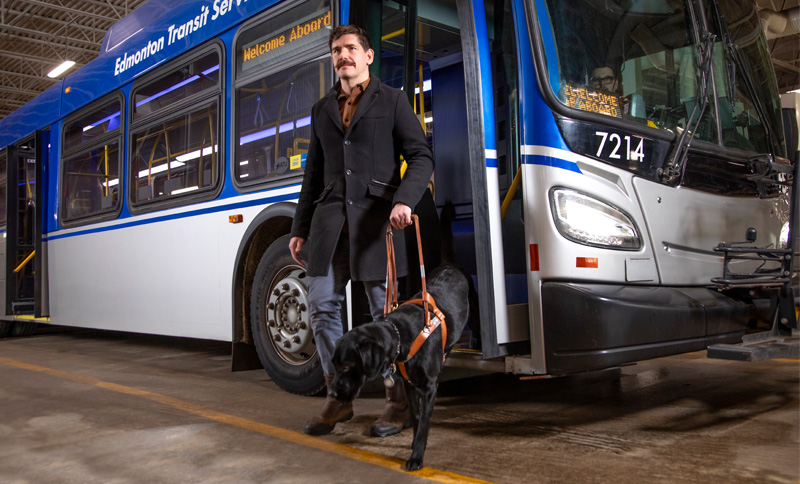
(617,171)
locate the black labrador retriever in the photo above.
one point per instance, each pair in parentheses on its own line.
(372,349)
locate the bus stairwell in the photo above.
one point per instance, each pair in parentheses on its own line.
(773,274)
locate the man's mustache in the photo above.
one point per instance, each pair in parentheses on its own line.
(343,63)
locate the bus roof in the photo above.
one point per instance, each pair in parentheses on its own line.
(155,32)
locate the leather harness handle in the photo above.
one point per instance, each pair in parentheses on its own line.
(426,301)
(391,272)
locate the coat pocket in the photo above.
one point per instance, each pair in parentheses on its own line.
(381,189)
(328,189)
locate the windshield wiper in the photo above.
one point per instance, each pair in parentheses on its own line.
(734,59)
(672,171)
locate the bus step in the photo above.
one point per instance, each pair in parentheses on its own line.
(759,347)
(473,360)
(22,307)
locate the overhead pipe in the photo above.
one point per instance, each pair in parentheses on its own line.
(780,24)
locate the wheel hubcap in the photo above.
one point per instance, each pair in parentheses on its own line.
(288,317)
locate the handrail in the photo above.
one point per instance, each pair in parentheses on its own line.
(27,259)
(511,192)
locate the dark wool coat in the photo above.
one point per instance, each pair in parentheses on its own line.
(357,174)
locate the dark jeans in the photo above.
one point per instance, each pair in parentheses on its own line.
(326,294)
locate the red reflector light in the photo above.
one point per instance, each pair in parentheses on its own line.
(534,257)
(587,262)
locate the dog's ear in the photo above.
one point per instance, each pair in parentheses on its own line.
(371,358)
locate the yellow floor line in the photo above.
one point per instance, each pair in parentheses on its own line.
(288,435)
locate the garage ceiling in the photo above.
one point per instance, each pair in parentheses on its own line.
(37,35)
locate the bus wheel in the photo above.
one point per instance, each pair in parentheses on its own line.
(22,328)
(279,317)
(5,327)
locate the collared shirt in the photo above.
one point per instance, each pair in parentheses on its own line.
(348,104)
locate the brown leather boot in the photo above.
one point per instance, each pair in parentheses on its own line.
(396,414)
(332,412)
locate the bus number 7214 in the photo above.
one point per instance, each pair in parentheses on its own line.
(636,155)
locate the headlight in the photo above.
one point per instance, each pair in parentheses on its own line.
(783,240)
(586,220)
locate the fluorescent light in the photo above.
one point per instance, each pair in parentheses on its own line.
(426,86)
(109,118)
(195,154)
(266,133)
(184,190)
(176,86)
(60,69)
(160,169)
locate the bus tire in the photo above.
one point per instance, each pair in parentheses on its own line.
(5,328)
(279,318)
(22,328)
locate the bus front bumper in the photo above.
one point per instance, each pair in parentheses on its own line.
(594,326)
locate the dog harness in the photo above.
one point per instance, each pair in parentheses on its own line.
(426,301)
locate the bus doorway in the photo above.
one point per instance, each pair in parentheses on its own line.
(24,251)
(430,49)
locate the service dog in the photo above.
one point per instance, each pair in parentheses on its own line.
(374,349)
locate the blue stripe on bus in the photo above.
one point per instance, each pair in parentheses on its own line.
(551,161)
(176,216)
(548,39)
(482,35)
(491,162)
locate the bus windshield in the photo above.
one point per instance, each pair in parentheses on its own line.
(638,60)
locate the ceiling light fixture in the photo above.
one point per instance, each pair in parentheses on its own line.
(60,69)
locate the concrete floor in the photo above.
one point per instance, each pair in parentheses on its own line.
(80,406)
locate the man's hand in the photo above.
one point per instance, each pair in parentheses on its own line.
(400,217)
(295,244)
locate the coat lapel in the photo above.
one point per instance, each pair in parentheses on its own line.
(367,100)
(332,108)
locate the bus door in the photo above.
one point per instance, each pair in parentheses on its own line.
(439,53)
(24,252)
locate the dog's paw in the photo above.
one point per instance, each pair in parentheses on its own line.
(414,464)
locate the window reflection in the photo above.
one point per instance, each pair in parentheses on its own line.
(274,121)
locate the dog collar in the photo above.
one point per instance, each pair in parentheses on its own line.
(399,340)
(388,375)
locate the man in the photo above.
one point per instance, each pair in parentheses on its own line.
(351,191)
(603,78)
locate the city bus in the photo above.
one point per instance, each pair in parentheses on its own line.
(604,217)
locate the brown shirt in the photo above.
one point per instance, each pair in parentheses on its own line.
(348,104)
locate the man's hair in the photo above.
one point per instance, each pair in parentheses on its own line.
(341,30)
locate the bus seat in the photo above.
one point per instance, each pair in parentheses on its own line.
(172,184)
(145,193)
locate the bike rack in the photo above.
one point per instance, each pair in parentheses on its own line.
(774,275)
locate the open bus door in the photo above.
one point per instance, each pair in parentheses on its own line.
(25,289)
(440,54)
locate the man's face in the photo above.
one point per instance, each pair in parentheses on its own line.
(350,60)
(603,78)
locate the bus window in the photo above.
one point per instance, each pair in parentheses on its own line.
(176,85)
(274,122)
(91,166)
(176,152)
(635,63)
(740,123)
(273,109)
(176,156)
